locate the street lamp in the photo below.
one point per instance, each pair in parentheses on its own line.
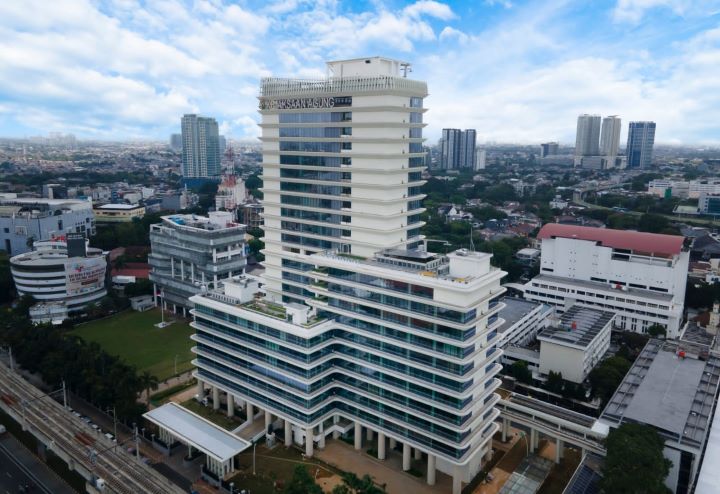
(254,444)
(176,359)
(232,487)
(527,447)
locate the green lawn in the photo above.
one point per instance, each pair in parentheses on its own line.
(132,336)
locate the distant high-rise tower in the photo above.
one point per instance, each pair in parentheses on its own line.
(450,152)
(480,158)
(588,135)
(200,148)
(549,149)
(176,142)
(467,149)
(610,136)
(641,138)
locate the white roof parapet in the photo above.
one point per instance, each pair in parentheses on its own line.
(276,87)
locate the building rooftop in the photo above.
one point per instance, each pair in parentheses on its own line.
(578,326)
(118,206)
(671,392)
(610,289)
(215,221)
(514,310)
(639,242)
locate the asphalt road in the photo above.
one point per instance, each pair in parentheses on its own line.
(16,473)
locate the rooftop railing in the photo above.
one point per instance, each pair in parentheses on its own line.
(273,86)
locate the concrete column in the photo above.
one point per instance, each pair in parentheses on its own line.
(392,444)
(431,470)
(216,398)
(309,442)
(288,434)
(559,446)
(230,405)
(456,481)
(505,429)
(358,436)
(406,457)
(381,446)
(369,434)
(336,420)
(533,440)
(249,411)
(200,389)
(268,419)
(418,454)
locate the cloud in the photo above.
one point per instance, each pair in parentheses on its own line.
(449,33)
(504,3)
(633,11)
(430,8)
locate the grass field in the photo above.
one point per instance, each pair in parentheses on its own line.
(132,336)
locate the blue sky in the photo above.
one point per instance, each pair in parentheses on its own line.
(516,71)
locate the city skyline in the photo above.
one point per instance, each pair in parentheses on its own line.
(117,70)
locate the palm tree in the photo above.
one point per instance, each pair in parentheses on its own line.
(148,381)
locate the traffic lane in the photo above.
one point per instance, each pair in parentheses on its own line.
(12,479)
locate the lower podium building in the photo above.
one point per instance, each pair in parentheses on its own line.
(399,349)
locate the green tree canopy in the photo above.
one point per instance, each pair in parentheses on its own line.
(302,483)
(606,377)
(634,463)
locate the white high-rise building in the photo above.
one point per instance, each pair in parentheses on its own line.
(610,136)
(480,159)
(587,137)
(362,331)
(639,276)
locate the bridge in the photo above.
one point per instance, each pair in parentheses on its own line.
(565,426)
(85,451)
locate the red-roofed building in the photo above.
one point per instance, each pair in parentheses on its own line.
(641,276)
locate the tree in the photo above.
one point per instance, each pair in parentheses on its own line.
(302,483)
(140,287)
(519,370)
(352,484)
(657,331)
(148,381)
(606,377)
(634,462)
(554,382)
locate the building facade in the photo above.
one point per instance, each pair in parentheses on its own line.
(361,331)
(450,148)
(549,149)
(709,203)
(587,137)
(641,139)
(54,274)
(190,253)
(641,276)
(610,136)
(118,213)
(468,141)
(200,148)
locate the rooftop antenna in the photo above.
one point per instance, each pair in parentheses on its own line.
(405,67)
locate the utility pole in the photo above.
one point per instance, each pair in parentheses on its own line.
(64,395)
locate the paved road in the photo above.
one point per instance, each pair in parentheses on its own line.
(19,468)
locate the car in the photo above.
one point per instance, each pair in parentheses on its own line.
(95,427)
(111,437)
(3,430)
(85,419)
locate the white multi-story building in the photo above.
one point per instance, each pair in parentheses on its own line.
(51,274)
(577,344)
(231,193)
(361,331)
(692,189)
(522,321)
(641,276)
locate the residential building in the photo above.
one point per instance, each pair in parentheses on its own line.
(577,344)
(251,214)
(412,334)
(190,253)
(63,272)
(23,221)
(641,138)
(610,137)
(480,159)
(468,141)
(176,142)
(118,213)
(451,149)
(201,149)
(673,387)
(522,321)
(587,137)
(549,149)
(528,255)
(558,203)
(640,276)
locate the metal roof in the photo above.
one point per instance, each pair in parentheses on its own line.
(587,322)
(638,242)
(196,431)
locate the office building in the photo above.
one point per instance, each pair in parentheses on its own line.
(23,221)
(610,136)
(549,149)
(176,142)
(191,253)
(64,273)
(673,387)
(709,203)
(640,142)
(201,149)
(587,137)
(118,213)
(413,357)
(640,276)
(576,344)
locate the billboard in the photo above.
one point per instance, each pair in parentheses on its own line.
(84,275)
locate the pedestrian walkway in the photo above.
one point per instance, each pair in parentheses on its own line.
(388,472)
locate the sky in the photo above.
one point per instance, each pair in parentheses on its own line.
(516,71)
